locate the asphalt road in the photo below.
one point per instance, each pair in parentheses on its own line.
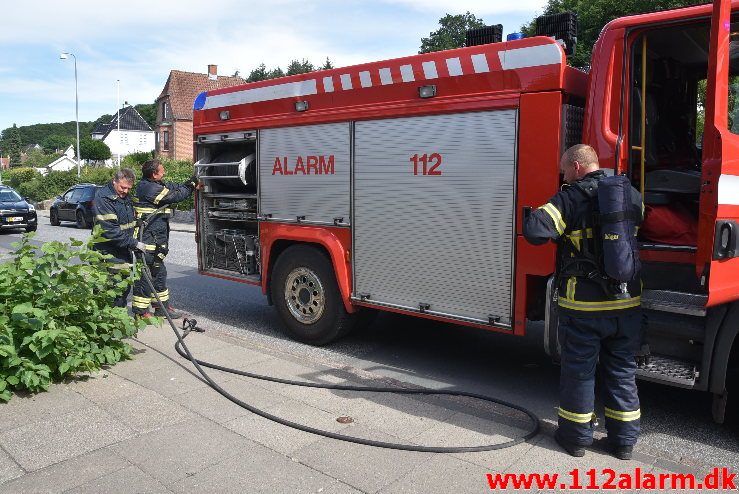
(676,423)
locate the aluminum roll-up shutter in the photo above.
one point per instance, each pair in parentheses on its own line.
(304,173)
(444,240)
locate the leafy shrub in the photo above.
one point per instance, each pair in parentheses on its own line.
(16,176)
(135,160)
(56,314)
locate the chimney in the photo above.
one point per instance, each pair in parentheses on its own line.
(213,72)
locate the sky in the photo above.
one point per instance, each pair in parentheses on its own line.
(137,42)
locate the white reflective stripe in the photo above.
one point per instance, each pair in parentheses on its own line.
(480,63)
(364,79)
(267,93)
(328,84)
(454,66)
(346,81)
(406,73)
(429,70)
(531,56)
(728,189)
(385,76)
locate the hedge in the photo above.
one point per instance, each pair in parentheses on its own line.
(29,183)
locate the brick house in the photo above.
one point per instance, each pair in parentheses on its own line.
(174,109)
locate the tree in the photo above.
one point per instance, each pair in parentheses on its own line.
(452,32)
(55,143)
(94,150)
(148,112)
(593,15)
(37,159)
(12,144)
(299,67)
(326,65)
(262,74)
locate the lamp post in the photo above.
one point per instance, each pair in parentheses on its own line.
(64,56)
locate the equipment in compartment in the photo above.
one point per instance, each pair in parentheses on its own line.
(233,250)
(230,170)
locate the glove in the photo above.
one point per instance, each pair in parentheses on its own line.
(141,246)
(193,182)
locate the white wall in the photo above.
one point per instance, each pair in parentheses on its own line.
(129,141)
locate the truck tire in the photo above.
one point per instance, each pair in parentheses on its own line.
(307,298)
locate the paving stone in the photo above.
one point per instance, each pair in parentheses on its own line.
(258,470)
(169,379)
(236,357)
(9,469)
(366,468)
(67,474)
(467,430)
(147,411)
(181,450)
(44,443)
(282,438)
(442,473)
(25,409)
(130,479)
(212,405)
(105,387)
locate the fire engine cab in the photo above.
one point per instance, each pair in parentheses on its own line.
(401,185)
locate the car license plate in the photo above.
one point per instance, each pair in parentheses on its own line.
(15,219)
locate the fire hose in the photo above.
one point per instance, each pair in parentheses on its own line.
(190,325)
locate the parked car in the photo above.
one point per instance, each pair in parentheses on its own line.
(15,211)
(74,205)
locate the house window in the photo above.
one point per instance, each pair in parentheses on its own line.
(165,110)
(165,140)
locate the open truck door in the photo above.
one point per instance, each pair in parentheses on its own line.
(718,230)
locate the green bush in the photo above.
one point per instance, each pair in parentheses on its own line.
(16,176)
(56,314)
(135,160)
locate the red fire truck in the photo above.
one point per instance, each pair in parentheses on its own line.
(401,185)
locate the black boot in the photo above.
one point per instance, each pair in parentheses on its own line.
(573,449)
(622,451)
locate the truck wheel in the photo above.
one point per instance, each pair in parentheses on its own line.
(307,298)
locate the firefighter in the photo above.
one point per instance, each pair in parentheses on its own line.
(151,194)
(598,322)
(114,213)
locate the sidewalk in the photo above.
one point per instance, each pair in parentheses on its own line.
(175,226)
(151,425)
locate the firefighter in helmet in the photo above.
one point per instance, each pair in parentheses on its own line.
(599,321)
(151,194)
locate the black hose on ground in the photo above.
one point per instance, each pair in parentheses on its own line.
(184,352)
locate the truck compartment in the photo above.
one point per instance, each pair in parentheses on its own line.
(227,205)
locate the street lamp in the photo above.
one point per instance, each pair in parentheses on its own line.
(64,56)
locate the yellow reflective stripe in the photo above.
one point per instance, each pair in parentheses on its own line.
(580,418)
(143,210)
(151,246)
(103,217)
(571,283)
(628,303)
(579,233)
(141,299)
(622,416)
(161,195)
(556,216)
(128,225)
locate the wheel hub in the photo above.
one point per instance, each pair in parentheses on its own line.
(304,295)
